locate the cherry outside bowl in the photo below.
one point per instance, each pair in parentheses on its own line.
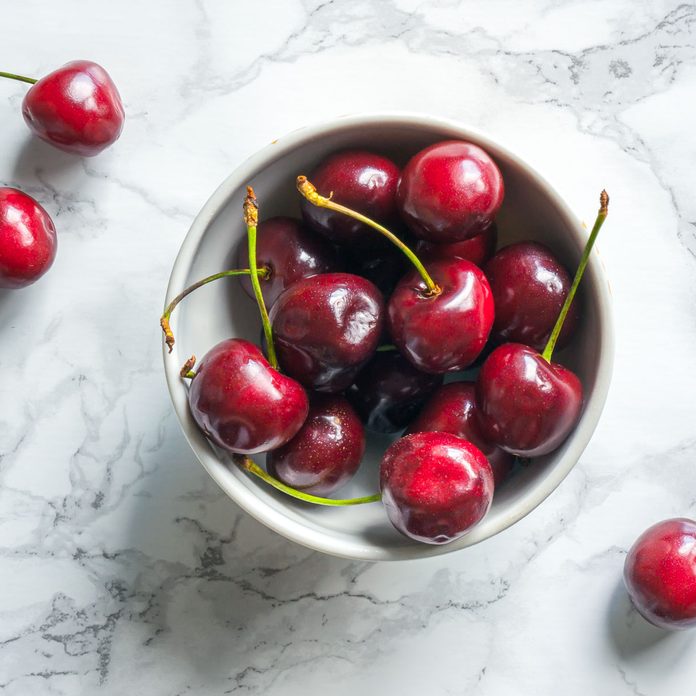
(531,210)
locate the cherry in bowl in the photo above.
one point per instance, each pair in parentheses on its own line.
(359,179)
(450,191)
(326,328)
(529,285)
(289,252)
(435,486)
(327,450)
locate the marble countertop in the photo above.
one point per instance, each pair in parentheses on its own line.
(124,569)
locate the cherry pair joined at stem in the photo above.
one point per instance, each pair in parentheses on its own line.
(234,386)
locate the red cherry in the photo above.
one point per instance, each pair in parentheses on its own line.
(327,450)
(660,574)
(527,406)
(476,249)
(529,287)
(290,252)
(27,239)
(326,328)
(241,403)
(77,108)
(360,180)
(443,332)
(450,191)
(435,486)
(452,409)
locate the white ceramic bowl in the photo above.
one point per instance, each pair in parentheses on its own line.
(532,210)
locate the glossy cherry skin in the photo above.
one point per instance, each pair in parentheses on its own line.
(389,391)
(452,409)
(529,287)
(476,249)
(326,328)
(327,450)
(435,486)
(241,403)
(660,574)
(450,191)
(444,332)
(527,406)
(28,239)
(77,108)
(360,180)
(289,251)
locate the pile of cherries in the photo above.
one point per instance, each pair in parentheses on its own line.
(360,332)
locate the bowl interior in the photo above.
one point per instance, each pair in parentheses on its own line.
(531,211)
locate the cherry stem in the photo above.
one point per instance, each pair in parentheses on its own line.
(21,78)
(253,468)
(386,348)
(251,219)
(187,371)
(164,321)
(601,217)
(309,191)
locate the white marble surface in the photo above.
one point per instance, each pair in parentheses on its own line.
(123,569)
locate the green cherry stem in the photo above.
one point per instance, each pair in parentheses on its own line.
(253,468)
(601,217)
(309,191)
(251,219)
(164,320)
(20,78)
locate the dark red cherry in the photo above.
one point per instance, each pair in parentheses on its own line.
(435,486)
(327,450)
(382,266)
(450,191)
(529,287)
(241,403)
(452,409)
(660,574)
(326,328)
(289,251)
(527,406)
(360,180)
(476,249)
(389,391)
(443,332)
(77,108)
(27,239)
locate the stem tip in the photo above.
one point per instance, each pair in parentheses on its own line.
(187,368)
(168,335)
(309,191)
(251,208)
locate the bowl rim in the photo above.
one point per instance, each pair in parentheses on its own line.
(266,513)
